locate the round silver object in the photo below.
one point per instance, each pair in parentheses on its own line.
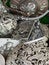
(2,60)
(30,9)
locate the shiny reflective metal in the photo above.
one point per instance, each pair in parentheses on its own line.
(2,60)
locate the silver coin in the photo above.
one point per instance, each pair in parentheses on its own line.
(2,60)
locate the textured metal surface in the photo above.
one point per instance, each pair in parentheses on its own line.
(7,44)
(28,46)
(28,30)
(34,53)
(33,8)
(7,24)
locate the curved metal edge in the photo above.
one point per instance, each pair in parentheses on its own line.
(2,60)
(26,18)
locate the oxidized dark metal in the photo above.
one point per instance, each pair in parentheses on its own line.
(29,8)
(28,30)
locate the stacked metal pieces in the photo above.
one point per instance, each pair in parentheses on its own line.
(25,31)
(19,29)
(22,29)
(33,50)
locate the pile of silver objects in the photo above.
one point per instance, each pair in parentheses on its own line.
(23,40)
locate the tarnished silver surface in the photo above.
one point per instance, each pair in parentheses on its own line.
(30,10)
(28,7)
(46,29)
(7,23)
(28,46)
(28,30)
(23,29)
(25,32)
(7,44)
(32,53)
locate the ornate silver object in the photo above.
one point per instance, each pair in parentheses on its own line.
(29,53)
(7,24)
(23,39)
(7,44)
(29,10)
